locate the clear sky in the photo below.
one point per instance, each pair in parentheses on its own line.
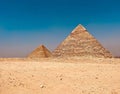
(26,24)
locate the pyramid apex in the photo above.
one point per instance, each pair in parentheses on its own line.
(42,45)
(79,27)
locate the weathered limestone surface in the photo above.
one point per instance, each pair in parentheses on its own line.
(40,52)
(81,43)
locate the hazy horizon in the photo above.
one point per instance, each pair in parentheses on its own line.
(26,24)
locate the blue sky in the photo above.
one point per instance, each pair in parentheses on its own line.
(26,24)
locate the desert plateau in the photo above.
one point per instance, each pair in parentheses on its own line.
(60,76)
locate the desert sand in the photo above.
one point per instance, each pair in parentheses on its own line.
(60,76)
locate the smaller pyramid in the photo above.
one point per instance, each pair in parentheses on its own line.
(40,52)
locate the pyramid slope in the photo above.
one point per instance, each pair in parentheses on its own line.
(81,43)
(40,52)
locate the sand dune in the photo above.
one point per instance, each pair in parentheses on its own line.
(60,76)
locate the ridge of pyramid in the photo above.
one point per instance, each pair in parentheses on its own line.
(81,43)
(40,52)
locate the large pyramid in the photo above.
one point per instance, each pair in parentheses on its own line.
(40,52)
(81,43)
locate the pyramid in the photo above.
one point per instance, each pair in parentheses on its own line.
(40,52)
(81,43)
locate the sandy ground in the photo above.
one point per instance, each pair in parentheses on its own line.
(60,76)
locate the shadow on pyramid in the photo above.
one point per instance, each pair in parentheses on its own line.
(40,52)
(81,43)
